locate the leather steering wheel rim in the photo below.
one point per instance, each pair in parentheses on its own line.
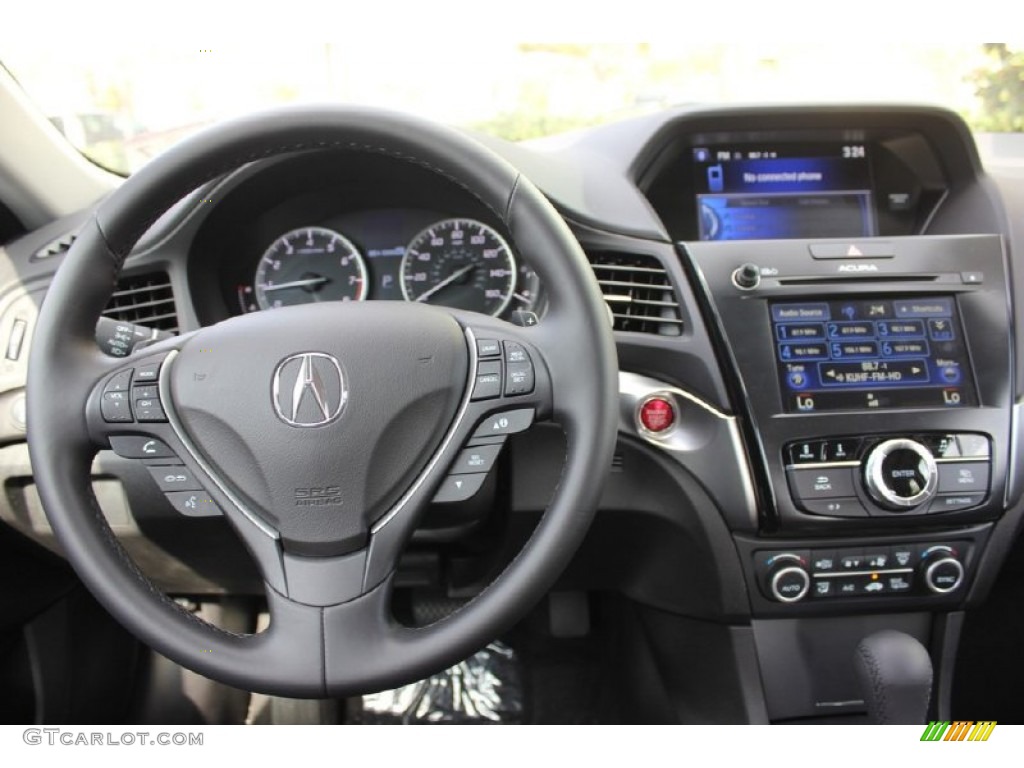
(351,646)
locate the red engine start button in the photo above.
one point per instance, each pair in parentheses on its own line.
(657,414)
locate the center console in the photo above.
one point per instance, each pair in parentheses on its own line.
(874,382)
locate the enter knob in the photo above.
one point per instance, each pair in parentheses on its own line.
(901,474)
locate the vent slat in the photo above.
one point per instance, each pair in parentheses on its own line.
(146,300)
(56,247)
(638,292)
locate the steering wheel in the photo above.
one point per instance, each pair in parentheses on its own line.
(322,431)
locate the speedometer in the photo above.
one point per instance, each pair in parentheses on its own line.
(307,265)
(460,263)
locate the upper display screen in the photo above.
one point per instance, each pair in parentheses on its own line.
(747,192)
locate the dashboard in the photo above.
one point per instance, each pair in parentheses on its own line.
(818,341)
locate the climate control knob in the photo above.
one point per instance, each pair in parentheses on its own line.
(900,475)
(941,571)
(788,581)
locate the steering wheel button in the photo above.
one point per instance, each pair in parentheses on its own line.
(478,459)
(149,410)
(115,407)
(518,378)
(506,423)
(140,447)
(145,374)
(151,392)
(488,381)
(119,382)
(488,348)
(193,503)
(516,353)
(459,488)
(174,478)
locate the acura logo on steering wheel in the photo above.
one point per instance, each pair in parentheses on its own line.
(309,389)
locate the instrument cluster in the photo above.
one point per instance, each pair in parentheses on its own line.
(391,254)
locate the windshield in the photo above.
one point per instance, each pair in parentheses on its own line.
(120,106)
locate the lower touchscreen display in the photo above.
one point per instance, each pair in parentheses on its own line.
(857,354)
(783,190)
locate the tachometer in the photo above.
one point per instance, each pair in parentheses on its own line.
(307,265)
(460,263)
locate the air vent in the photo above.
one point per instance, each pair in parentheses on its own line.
(56,247)
(638,292)
(144,300)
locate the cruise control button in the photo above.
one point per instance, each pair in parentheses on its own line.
(954,502)
(821,483)
(149,410)
(146,374)
(459,488)
(518,378)
(119,382)
(506,423)
(479,459)
(140,447)
(193,504)
(963,477)
(841,507)
(488,381)
(174,478)
(115,407)
(488,347)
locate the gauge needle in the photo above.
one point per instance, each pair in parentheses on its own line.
(296,284)
(447,281)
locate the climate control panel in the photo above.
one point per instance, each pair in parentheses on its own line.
(884,476)
(794,575)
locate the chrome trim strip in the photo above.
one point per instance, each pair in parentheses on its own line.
(179,432)
(824,465)
(1012,471)
(841,574)
(679,442)
(445,443)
